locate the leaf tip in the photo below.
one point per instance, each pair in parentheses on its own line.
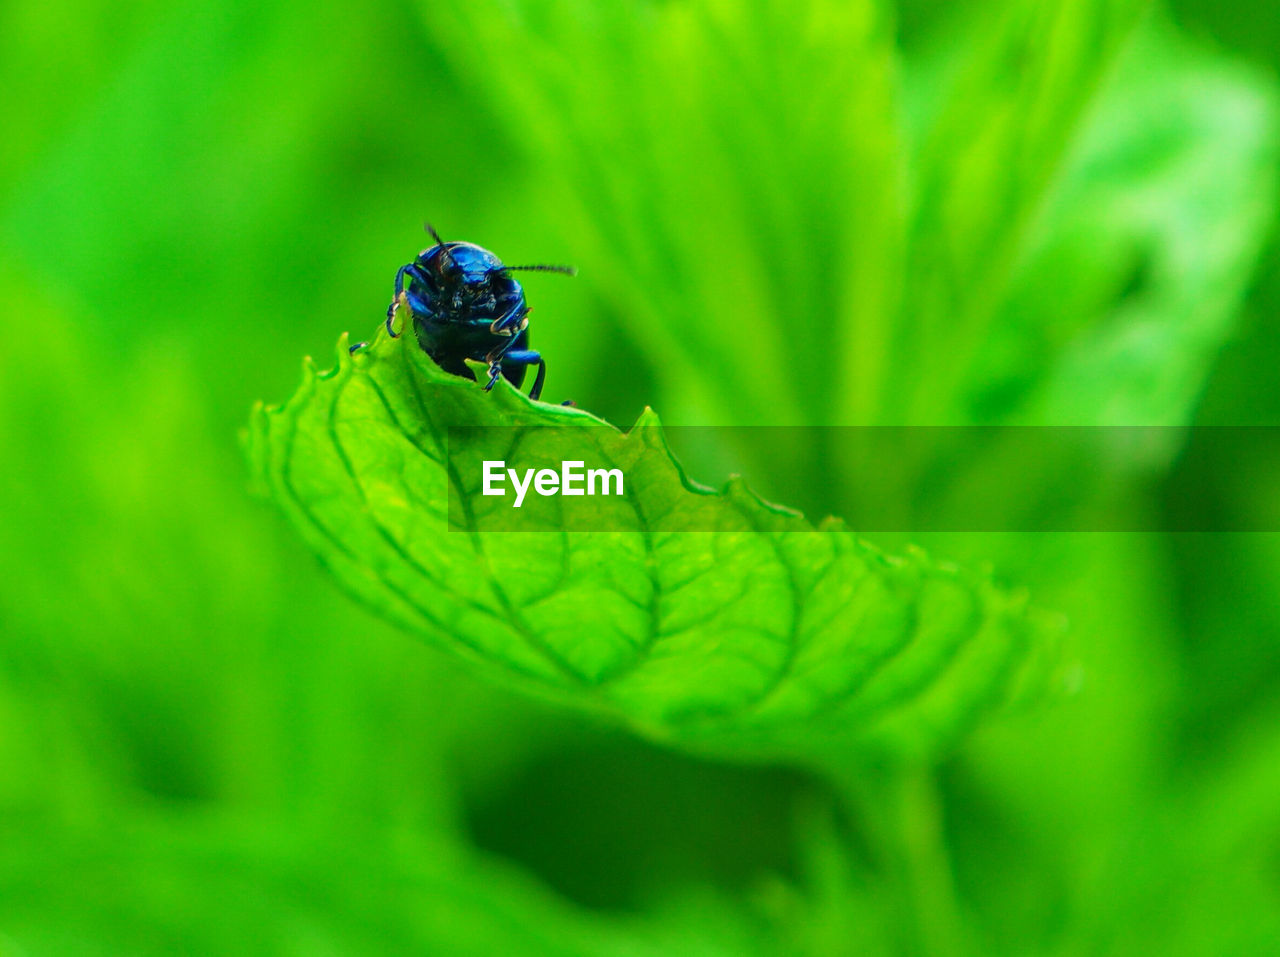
(648,419)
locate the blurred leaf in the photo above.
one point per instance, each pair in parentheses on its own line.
(155,885)
(1002,114)
(729,172)
(1129,275)
(765,635)
(269,154)
(1196,873)
(1153,236)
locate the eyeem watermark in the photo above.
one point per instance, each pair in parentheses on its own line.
(879,479)
(574,478)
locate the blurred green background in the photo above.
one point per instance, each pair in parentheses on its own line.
(815,213)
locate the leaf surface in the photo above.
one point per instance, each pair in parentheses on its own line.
(764,636)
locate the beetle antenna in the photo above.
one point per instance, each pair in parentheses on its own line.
(539,267)
(431,230)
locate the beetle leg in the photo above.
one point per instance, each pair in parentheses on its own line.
(526,357)
(495,371)
(411,299)
(535,393)
(494,358)
(518,316)
(498,328)
(395,300)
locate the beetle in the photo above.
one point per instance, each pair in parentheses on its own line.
(466,305)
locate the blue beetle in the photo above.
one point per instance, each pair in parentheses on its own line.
(466,305)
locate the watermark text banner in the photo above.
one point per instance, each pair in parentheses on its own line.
(586,478)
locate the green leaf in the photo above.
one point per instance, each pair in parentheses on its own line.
(767,636)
